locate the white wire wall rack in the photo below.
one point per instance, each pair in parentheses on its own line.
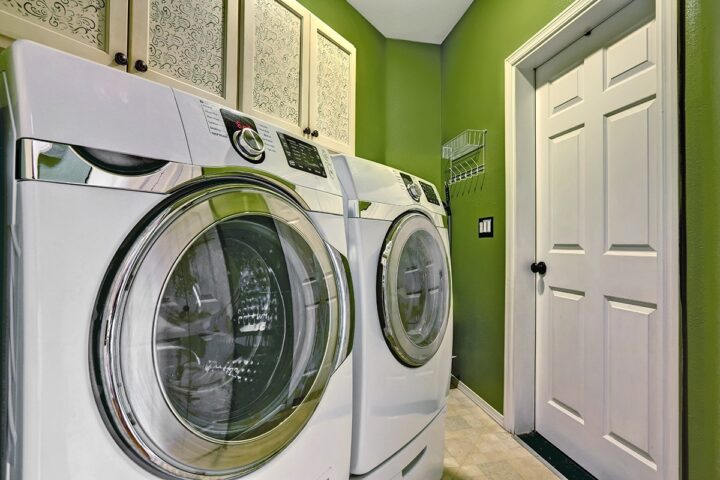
(465,156)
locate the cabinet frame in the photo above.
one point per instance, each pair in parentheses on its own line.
(139,46)
(248,71)
(318,28)
(116,24)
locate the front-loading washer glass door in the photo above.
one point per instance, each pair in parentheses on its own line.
(414,289)
(221,330)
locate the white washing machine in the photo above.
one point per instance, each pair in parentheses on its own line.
(176,295)
(399,256)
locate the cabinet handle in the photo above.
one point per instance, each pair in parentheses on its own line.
(315,133)
(306,131)
(141,66)
(120,58)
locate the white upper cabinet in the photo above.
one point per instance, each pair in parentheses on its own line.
(298,73)
(332,89)
(295,71)
(94,29)
(188,45)
(276,62)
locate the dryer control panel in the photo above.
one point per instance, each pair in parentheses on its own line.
(411,186)
(372,182)
(430,193)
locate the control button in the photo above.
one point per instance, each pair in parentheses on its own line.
(250,143)
(414,192)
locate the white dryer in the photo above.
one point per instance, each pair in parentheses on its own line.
(176,297)
(399,256)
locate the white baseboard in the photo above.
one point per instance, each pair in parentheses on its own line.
(477,400)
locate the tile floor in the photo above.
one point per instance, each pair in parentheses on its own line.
(477,448)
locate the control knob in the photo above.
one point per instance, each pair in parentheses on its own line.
(414,191)
(250,144)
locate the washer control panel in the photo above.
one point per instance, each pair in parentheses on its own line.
(411,186)
(302,155)
(244,136)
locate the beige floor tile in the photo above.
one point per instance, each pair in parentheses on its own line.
(477,448)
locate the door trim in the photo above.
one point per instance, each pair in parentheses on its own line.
(579,18)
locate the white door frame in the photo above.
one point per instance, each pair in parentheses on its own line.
(579,18)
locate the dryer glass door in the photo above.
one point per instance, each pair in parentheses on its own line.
(414,289)
(223,327)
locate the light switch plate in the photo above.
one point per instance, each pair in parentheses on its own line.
(485,227)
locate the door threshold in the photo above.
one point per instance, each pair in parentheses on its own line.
(565,465)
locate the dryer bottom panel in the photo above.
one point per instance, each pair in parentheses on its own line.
(421,459)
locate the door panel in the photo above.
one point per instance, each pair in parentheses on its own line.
(628,56)
(188,45)
(567,353)
(566,169)
(629,328)
(599,307)
(630,222)
(567,90)
(93,29)
(276,62)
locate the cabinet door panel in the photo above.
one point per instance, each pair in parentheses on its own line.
(275,53)
(332,89)
(187,45)
(93,29)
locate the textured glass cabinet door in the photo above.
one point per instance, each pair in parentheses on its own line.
(276,62)
(332,89)
(189,45)
(93,29)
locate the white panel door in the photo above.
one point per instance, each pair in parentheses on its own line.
(600,310)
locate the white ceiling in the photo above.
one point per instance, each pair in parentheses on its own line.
(428,21)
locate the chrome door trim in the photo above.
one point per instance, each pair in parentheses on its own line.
(347,304)
(389,212)
(404,349)
(127,390)
(166,179)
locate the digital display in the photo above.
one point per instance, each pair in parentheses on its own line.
(430,193)
(302,155)
(235,122)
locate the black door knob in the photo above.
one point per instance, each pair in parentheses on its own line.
(120,58)
(539,267)
(306,131)
(315,133)
(141,66)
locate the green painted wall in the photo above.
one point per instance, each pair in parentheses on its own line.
(370,127)
(702,97)
(413,117)
(473,97)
